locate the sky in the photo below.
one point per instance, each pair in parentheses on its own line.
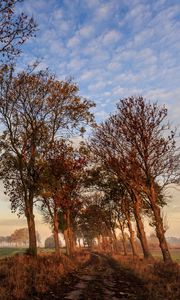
(112,49)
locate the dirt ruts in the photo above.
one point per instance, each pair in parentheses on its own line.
(102,278)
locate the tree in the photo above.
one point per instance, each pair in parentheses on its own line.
(15,30)
(91,223)
(109,150)
(139,150)
(20,236)
(60,185)
(49,242)
(114,199)
(34,109)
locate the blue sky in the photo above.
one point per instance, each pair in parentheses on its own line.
(112,49)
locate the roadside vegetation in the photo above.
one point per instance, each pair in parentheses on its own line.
(23,277)
(161,279)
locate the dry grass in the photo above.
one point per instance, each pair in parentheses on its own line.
(161,279)
(21,277)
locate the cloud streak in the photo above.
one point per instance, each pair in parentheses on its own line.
(112,48)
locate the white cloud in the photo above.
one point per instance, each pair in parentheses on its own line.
(113,65)
(103,11)
(101,114)
(111,36)
(73,42)
(76,64)
(126,92)
(86,31)
(58,14)
(112,48)
(88,75)
(97,86)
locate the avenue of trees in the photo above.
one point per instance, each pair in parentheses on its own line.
(112,181)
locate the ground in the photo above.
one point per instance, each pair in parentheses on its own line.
(86,275)
(102,278)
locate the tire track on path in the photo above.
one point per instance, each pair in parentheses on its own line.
(102,279)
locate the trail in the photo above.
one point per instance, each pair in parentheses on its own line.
(102,279)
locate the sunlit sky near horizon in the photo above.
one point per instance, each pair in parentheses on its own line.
(112,49)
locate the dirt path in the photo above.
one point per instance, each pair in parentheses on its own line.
(102,279)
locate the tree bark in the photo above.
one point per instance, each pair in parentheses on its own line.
(32,231)
(55,233)
(79,242)
(67,242)
(70,233)
(123,238)
(132,236)
(115,246)
(159,226)
(99,241)
(140,227)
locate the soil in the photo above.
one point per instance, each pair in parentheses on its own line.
(102,278)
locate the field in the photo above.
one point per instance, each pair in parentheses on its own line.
(175,253)
(6,251)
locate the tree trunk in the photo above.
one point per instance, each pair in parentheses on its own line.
(55,233)
(67,242)
(132,236)
(72,240)
(83,239)
(32,231)
(123,238)
(115,240)
(79,242)
(140,227)
(99,241)
(70,233)
(159,226)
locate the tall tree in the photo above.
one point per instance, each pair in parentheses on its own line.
(115,198)
(59,189)
(140,150)
(34,109)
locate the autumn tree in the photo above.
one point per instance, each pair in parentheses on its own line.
(114,199)
(138,148)
(59,189)
(91,223)
(124,210)
(20,236)
(116,169)
(34,109)
(14,29)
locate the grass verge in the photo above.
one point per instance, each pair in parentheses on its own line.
(161,279)
(23,277)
